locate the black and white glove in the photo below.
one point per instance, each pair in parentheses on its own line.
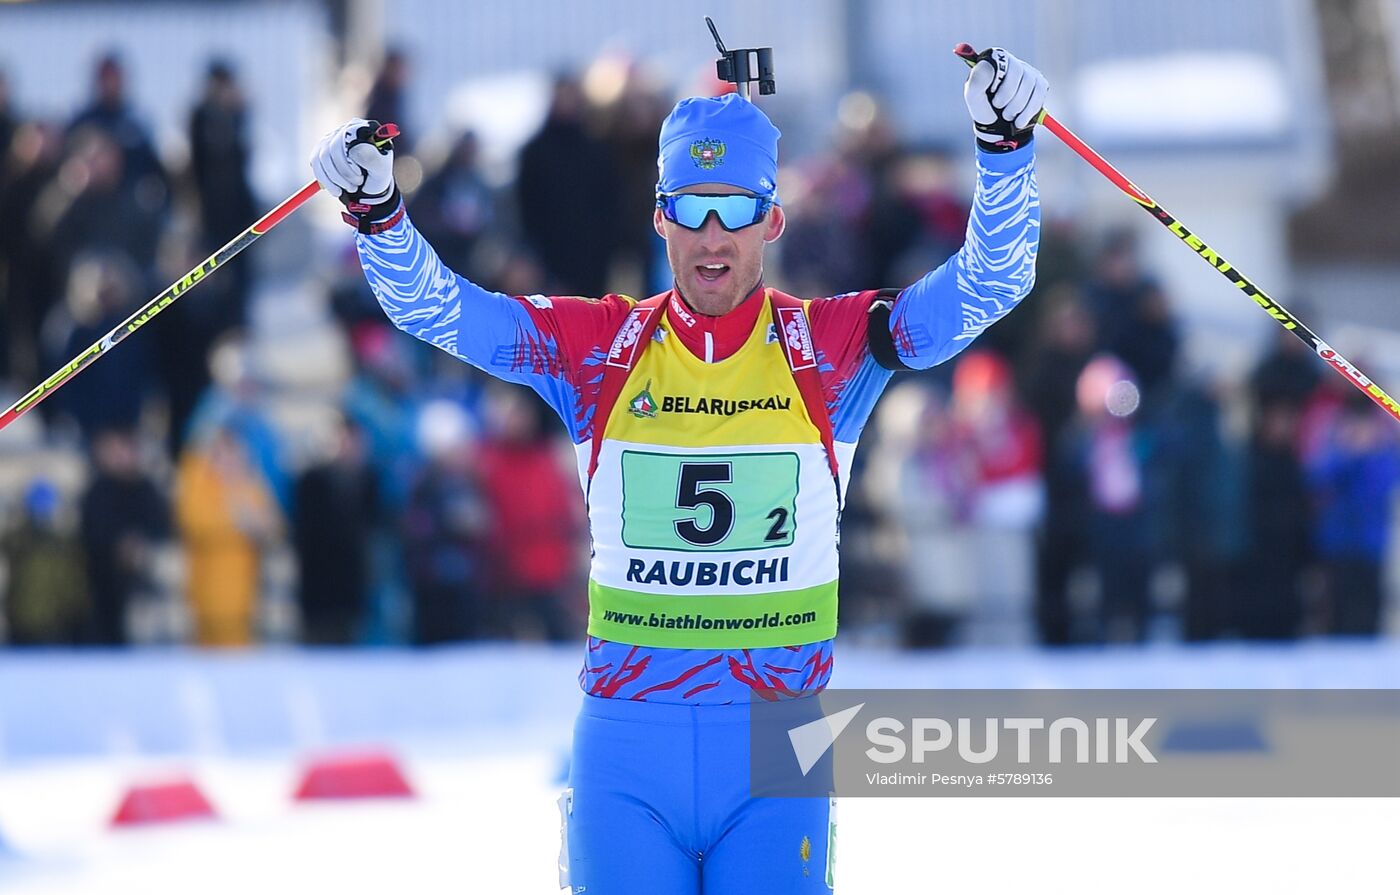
(1005,97)
(355,163)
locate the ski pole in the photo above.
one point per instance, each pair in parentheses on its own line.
(1284,318)
(175,290)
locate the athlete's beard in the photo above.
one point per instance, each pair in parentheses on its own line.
(711,308)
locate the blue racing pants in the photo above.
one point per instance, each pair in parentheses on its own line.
(659,802)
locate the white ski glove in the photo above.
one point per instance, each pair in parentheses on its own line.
(1005,97)
(349,166)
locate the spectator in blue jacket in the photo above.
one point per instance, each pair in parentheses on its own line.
(1352,476)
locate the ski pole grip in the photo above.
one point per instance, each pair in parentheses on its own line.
(381,136)
(968,54)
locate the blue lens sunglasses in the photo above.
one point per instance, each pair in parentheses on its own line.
(735,212)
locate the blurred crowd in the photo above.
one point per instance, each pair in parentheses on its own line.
(1064,481)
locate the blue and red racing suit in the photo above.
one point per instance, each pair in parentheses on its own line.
(562,347)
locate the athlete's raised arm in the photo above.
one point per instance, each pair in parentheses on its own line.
(535,340)
(942,313)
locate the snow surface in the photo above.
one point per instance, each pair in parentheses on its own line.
(485,819)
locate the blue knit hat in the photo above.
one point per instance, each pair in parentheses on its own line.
(724,139)
(41,499)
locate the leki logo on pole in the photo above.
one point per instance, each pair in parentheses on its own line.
(643,405)
(707,153)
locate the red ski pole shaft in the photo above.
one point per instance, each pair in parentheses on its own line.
(1278,312)
(167,297)
(150,309)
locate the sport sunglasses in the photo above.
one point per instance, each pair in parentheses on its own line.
(734,212)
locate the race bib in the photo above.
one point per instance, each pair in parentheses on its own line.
(710,502)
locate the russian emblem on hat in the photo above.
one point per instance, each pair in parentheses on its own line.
(707,153)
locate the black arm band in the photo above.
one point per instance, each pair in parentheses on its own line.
(877,331)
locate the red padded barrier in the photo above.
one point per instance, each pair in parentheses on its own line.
(161,803)
(360,776)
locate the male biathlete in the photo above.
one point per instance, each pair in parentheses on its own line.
(714,427)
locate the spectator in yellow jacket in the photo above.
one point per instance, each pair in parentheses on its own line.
(226,516)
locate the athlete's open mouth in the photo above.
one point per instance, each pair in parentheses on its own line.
(712,272)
